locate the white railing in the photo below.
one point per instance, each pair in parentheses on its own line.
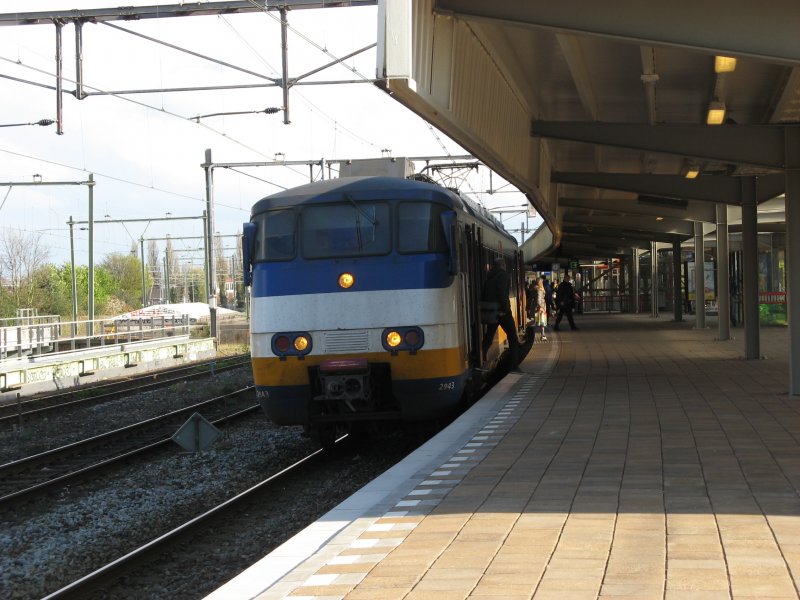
(35,339)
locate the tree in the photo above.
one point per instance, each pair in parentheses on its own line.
(172,267)
(125,271)
(154,268)
(22,254)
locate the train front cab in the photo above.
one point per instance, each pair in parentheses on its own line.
(429,300)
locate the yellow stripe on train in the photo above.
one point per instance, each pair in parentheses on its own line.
(425,364)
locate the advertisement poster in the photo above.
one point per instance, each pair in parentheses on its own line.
(708,274)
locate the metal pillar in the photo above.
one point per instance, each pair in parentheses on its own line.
(285,65)
(74,285)
(79,93)
(211,274)
(653,280)
(699,277)
(165,293)
(59,80)
(144,281)
(677,298)
(793,255)
(723,275)
(752,343)
(91,253)
(635,281)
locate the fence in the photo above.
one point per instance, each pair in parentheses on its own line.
(40,338)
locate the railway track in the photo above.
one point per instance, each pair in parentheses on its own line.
(23,478)
(24,410)
(100,580)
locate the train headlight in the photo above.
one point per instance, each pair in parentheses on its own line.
(393,339)
(282,343)
(291,343)
(346,280)
(300,343)
(398,339)
(412,338)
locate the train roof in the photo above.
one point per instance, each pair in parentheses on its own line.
(376,188)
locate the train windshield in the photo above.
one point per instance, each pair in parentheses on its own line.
(348,229)
(275,238)
(420,228)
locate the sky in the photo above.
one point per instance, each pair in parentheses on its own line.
(145,150)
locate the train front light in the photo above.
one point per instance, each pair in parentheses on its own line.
(397,339)
(291,343)
(281,343)
(393,339)
(300,343)
(346,280)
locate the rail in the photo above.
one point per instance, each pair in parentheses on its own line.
(603,302)
(772,297)
(49,338)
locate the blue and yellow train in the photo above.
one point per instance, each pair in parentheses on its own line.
(365,301)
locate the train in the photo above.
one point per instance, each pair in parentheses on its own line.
(365,301)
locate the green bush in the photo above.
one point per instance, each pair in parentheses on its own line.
(772,314)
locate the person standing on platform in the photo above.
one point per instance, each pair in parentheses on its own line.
(548,295)
(565,300)
(497,289)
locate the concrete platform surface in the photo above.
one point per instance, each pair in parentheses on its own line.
(635,458)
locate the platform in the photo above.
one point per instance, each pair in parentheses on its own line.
(635,458)
(53,372)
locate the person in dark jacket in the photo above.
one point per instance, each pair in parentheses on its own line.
(565,301)
(496,289)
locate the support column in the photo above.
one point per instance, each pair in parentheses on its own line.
(91,254)
(699,277)
(653,280)
(793,255)
(677,309)
(723,277)
(752,342)
(211,273)
(635,281)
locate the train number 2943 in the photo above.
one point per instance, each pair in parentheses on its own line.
(447,385)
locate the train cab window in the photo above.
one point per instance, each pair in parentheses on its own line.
(420,228)
(348,229)
(275,237)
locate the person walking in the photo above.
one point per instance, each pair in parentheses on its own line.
(565,300)
(496,289)
(541,308)
(548,295)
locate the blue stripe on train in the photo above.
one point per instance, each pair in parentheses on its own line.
(390,272)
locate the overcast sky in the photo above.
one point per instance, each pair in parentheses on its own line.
(145,150)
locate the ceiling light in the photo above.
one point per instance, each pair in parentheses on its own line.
(716,113)
(724,64)
(692,171)
(659,218)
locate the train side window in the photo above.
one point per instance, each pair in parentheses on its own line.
(420,228)
(275,239)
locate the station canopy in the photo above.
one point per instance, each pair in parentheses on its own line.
(623,122)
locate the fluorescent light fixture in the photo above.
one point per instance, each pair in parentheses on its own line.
(692,171)
(716,113)
(724,64)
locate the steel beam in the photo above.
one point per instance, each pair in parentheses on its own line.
(694,211)
(766,32)
(722,189)
(755,145)
(135,13)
